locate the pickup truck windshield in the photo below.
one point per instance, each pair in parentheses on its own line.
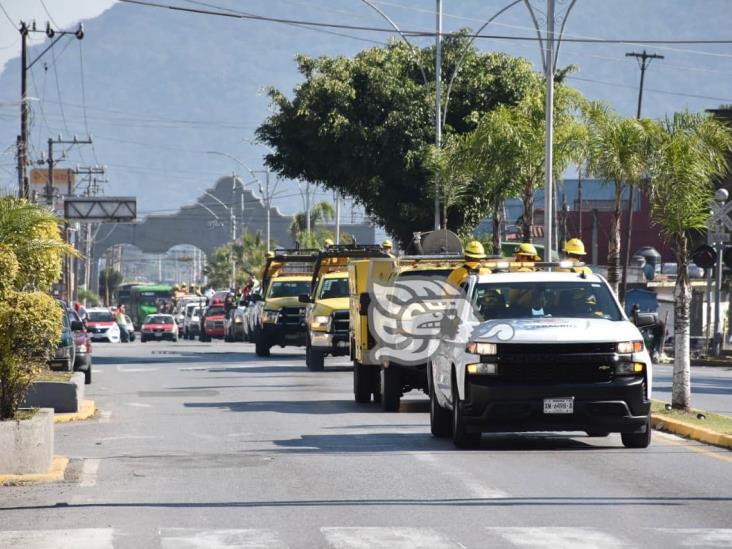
(334,287)
(289,289)
(571,299)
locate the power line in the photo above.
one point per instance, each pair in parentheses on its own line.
(49,15)
(10,19)
(415,33)
(663,92)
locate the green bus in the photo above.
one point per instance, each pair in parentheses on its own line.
(146,300)
(122,294)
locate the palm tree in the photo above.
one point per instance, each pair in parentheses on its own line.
(619,154)
(690,155)
(320,212)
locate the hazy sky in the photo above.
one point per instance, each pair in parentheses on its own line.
(66,13)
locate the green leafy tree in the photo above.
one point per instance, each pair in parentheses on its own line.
(361,126)
(109,281)
(249,255)
(88,297)
(689,157)
(619,152)
(321,212)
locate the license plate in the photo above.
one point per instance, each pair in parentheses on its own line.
(342,344)
(158,335)
(559,405)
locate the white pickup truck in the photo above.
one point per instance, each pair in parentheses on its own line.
(551,351)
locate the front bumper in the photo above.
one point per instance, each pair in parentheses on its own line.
(159,335)
(618,406)
(333,344)
(284,334)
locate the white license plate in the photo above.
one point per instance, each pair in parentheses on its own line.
(158,335)
(559,405)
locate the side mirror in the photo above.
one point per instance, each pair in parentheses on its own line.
(304,298)
(644,320)
(77,325)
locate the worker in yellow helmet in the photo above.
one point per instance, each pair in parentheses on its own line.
(525,253)
(473,253)
(328,242)
(387,246)
(573,250)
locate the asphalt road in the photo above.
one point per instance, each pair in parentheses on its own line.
(711,387)
(204,445)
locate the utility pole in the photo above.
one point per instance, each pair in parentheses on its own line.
(548,146)
(644,60)
(52,161)
(438,103)
(337,218)
(22,143)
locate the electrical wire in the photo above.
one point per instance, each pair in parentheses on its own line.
(49,15)
(7,16)
(83,101)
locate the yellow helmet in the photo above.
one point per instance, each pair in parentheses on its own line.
(387,244)
(527,249)
(270,254)
(574,246)
(474,250)
(328,242)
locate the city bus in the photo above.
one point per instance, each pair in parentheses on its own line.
(122,294)
(147,299)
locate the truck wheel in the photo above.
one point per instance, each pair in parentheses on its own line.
(460,437)
(261,347)
(391,389)
(361,383)
(637,440)
(440,420)
(314,360)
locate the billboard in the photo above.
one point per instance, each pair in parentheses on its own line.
(88,209)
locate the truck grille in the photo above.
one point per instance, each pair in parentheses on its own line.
(341,322)
(291,316)
(556,362)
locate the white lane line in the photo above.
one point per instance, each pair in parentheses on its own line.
(192,538)
(471,484)
(122,369)
(558,536)
(138,404)
(386,538)
(88,538)
(88,475)
(126,437)
(104,416)
(699,537)
(192,369)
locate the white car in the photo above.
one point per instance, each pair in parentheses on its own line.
(102,325)
(552,351)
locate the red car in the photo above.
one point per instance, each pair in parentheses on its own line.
(83,345)
(158,328)
(212,323)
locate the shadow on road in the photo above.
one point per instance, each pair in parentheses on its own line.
(290,406)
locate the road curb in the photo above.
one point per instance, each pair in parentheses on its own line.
(55,474)
(87,409)
(663,423)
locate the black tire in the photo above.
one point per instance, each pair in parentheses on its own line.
(638,440)
(460,437)
(314,360)
(143,340)
(391,389)
(440,418)
(261,347)
(88,375)
(362,384)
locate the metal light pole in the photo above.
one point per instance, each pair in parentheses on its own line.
(337,218)
(438,100)
(720,196)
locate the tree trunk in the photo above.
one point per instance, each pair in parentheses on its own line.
(681,387)
(527,219)
(613,252)
(497,220)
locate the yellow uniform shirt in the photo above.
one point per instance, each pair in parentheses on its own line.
(461,274)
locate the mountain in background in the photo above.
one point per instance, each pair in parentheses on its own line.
(161,88)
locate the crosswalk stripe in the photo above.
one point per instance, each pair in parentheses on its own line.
(386,538)
(88,538)
(246,538)
(699,537)
(558,536)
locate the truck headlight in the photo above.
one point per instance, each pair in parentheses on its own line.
(270,316)
(629,368)
(627,347)
(320,322)
(476,348)
(482,369)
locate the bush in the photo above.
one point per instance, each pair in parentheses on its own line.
(30,327)
(89,298)
(8,270)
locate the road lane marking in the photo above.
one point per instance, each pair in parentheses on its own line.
(386,538)
(88,475)
(673,440)
(699,537)
(192,538)
(88,538)
(138,404)
(104,416)
(122,369)
(471,484)
(557,536)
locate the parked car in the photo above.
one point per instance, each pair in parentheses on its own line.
(212,323)
(82,346)
(102,325)
(192,322)
(159,327)
(65,353)
(234,324)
